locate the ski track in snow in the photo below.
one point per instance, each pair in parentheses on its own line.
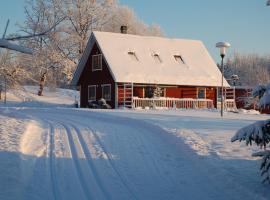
(96,155)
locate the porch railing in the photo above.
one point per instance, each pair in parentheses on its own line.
(185,103)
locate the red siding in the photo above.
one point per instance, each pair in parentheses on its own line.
(173,92)
(98,78)
(241,95)
(138,92)
(189,92)
(211,93)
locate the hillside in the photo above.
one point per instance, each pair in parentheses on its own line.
(27,96)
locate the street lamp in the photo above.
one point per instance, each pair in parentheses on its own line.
(222,46)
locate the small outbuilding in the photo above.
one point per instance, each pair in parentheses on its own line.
(127,70)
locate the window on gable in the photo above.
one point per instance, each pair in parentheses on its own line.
(133,55)
(157,58)
(179,59)
(201,93)
(97,62)
(106,92)
(92,92)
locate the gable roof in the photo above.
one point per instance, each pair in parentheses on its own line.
(130,58)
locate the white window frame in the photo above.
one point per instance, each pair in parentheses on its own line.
(106,85)
(201,88)
(92,86)
(99,57)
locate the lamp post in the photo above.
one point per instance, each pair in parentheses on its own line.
(222,46)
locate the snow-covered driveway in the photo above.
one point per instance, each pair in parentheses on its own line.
(82,154)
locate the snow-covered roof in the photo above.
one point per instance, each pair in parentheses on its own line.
(154,60)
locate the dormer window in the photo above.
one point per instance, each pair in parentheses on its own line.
(157,58)
(97,62)
(133,55)
(179,59)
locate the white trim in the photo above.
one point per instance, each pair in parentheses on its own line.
(107,64)
(116,95)
(92,86)
(99,57)
(105,85)
(83,60)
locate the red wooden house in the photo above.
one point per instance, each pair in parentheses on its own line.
(123,69)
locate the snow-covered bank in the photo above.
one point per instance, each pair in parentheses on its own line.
(26,96)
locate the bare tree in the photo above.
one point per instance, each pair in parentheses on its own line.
(252,69)
(64,44)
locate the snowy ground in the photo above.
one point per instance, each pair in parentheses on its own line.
(55,152)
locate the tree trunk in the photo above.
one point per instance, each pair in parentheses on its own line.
(42,83)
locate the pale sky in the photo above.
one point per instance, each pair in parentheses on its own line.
(243,23)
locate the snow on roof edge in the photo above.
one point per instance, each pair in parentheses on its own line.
(82,62)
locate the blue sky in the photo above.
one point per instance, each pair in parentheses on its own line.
(243,23)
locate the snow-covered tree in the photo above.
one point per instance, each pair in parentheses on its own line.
(60,49)
(12,72)
(259,133)
(252,69)
(157,91)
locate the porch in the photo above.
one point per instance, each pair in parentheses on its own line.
(130,95)
(185,103)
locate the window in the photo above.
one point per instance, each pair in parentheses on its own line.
(106,92)
(201,93)
(97,62)
(154,91)
(133,55)
(179,59)
(92,92)
(157,58)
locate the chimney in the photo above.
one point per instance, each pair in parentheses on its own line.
(124,29)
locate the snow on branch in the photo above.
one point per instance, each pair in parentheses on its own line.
(8,45)
(258,91)
(263,93)
(258,132)
(38,34)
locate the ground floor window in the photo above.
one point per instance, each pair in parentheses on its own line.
(201,93)
(92,92)
(106,92)
(154,92)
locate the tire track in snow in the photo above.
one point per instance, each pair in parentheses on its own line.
(55,188)
(87,154)
(90,162)
(89,158)
(110,160)
(91,165)
(74,155)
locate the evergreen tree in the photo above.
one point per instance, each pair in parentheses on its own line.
(259,133)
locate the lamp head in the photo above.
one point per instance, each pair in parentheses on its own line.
(223,46)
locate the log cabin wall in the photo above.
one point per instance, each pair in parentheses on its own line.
(138,92)
(211,93)
(181,92)
(98,78)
